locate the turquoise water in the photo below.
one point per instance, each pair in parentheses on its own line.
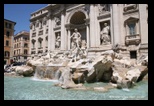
(16,88)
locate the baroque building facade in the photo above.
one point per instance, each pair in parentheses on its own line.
(57,27)
(21,46)
(8,40)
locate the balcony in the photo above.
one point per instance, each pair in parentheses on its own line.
(33,48)
(34,35)
(40,48)
(132,39)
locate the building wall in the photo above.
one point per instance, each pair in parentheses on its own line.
(21,43)
(127,23)
(8,27)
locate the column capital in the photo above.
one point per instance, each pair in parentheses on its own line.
(87,21)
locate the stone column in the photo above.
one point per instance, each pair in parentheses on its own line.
(30,46)
(115,19)
(49,34)
(44,38)
(52,43)
(87,29)
(92,26)
(68,32)
(111,25)
(122,28)
(63,44)
(143,23)
(97,36)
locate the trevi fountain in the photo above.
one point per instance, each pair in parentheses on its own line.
(72,75)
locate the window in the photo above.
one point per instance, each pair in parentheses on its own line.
(33,44)
(7,33)
(7,54)
(25,57)
(33,27)
(25,51)
(25,45)
(40,42)
(46,31)
(7,43)
(8,25)
(46,41)
(4,61)
(132,28)
(133,54)
(25,39)
(33,52)
(40,24)
(19,44)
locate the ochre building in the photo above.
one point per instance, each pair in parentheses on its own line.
(8,40)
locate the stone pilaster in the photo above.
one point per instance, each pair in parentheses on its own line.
(51,36)
(115,20)
(69,34)
(63,42)
(87,29)
(143,23)
(52,43)
(97,36)
(122,28)
(92,26)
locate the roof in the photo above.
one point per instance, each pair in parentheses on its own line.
(22,33)
(10,21)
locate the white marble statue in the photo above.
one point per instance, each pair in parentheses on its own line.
(104,35)
(57,21)
(58,40)
(76,38)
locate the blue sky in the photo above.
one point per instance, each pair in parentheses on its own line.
(20,13)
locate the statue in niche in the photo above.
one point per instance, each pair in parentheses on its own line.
(58,40)
(104,35)
(57,21)
(83,45)
(103,8)
(76,39)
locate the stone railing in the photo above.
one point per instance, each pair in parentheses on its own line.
(40,47)
(129,7)
(41,32)
(34,35)
(132,39)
